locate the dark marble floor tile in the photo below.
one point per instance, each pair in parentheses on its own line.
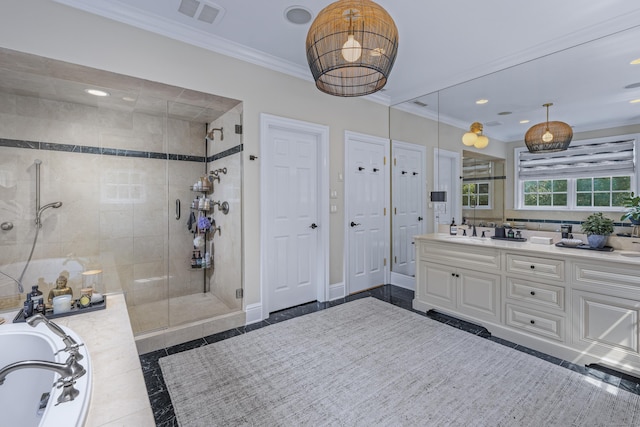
(189,345)
(149,361)
(630,386)
(502,341)
(154,382)
(253,326)
(539,355)
(162,408)
(171,423)
(458,323)
(581,369)
(210,339)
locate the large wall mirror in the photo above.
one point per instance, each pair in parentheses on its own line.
(591,86)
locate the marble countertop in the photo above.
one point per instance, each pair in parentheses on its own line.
(119,394)
(631,256)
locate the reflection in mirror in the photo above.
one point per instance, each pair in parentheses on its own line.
(483,180)
(593,93)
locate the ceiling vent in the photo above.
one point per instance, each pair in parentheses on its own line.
(420,103)
(201,10)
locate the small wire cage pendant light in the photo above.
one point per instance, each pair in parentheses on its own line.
(351,48)
(549,136)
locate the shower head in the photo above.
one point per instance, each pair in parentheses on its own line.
(54,205)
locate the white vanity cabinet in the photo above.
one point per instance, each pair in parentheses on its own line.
(579,305)
(458,281)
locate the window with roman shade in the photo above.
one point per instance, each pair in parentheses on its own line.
(596,173)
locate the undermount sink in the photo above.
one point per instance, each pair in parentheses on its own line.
(630,253)
(468,239)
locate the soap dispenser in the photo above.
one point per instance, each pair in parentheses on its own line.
(453,229)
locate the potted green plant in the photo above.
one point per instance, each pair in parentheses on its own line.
(632,213)
(597,228)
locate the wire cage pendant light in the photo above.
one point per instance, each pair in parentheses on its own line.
(351,48)
(549,136)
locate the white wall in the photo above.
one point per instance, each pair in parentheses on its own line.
(52,30)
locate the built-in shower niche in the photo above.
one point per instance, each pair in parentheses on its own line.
(118,165)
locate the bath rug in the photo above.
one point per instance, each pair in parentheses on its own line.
(369,363)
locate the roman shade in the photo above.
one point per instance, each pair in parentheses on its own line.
(614,157)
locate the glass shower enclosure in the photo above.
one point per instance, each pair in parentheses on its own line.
(124,166)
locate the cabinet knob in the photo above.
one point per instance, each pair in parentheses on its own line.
(533,293)
(453,274)
(533,266)
(532,322)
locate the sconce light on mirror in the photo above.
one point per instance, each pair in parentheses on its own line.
(475,137)
(549,136)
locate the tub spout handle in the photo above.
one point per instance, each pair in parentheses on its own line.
(71,345)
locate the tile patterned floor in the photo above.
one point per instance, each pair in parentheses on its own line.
(161,402)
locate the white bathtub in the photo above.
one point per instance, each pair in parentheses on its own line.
(21,392)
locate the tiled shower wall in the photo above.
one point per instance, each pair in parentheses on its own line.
(117,174)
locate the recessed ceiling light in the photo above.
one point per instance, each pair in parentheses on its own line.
(97,92)
(632,85)
(524,121)
(128,99)
(634,101)
(482,101)
(297,15)
(504,113)
(635,62)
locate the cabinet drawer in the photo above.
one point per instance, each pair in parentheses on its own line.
(545,268)
(618,275)
(536,293)
(536,322)
(460,255)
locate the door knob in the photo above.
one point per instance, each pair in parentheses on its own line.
(353,224)
(313,226)
(419,218)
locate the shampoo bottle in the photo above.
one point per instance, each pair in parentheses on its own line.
(453,229)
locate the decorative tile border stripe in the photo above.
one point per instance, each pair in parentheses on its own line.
(559,221)
(226,153)
(85,149)
(488,178)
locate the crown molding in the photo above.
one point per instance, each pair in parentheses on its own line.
(124,13)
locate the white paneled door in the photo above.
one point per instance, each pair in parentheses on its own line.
(409,187)
(366,201)
(293,221)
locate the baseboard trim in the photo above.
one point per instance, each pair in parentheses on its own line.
(403,281)
(337,290)
(254,313)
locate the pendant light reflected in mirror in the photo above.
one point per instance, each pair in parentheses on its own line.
(475,137)
(549,136)
(351,48)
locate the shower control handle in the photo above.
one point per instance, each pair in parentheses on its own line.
(354,224)
(6,226)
